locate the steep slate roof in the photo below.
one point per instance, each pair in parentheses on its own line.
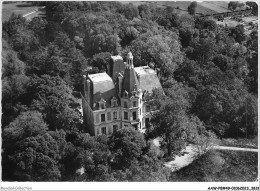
(147,78)
(103,87)
(130,81)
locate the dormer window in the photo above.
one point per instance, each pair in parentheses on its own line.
(113,102)
(102,104)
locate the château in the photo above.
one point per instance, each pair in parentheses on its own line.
(116,99)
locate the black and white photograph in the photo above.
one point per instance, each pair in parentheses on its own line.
(134,92)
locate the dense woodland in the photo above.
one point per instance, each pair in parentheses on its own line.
(208,73)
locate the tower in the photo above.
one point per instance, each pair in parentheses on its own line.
(130,82)
(129,60)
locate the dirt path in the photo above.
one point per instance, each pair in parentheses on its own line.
(234,148)
(35,13)
(184,160)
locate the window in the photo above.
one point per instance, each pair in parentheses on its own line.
(148,108)
(134,115)
(115,115)
(103,117)
(102,106)
(140,111)
(113,102)
(115,128)
(125,115)
(134,104)
(126,126)
(108,116)
(125,104)
(104,130)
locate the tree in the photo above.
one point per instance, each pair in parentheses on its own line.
(53,97)
(130,11)
(204,23)
(11,63)
(246,121)
(170,122)
(238,33)
(254,6)
(186,35)
(144,11)
(101,61)
(15,23)
(199,137)
(203,50)
(232,5)
(36,159)
(163,50)
(27,124)
(38,26)
(127,145)
(221,61)
(101,38)
(14,84)
(94,156)
(128,35)
(192,8)
(24,41)
(133,159)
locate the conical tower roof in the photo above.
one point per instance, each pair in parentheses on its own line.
(130,81)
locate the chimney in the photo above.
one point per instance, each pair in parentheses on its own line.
(117,66)
(89,93)
(85,86)
(120,81)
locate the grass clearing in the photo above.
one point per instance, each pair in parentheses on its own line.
(214,7)
(17,8)
(206,7)
(220,166)
(183,5)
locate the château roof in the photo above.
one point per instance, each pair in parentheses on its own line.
(147,78)
(130,82)
(103,87)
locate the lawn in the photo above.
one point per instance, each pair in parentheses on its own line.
(17,8)
(215,6)
(206,7)
(220,166)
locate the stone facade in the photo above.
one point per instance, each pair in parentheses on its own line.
(113,101)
